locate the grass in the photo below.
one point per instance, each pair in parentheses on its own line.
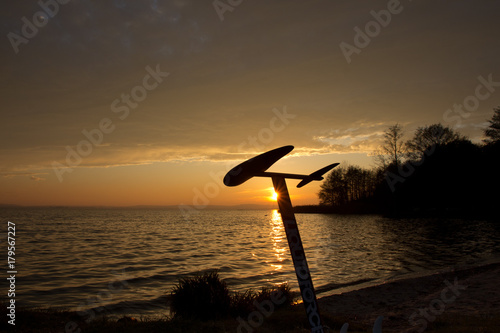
(207,297)
(201,297)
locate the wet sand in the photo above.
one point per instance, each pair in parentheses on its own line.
(409,304)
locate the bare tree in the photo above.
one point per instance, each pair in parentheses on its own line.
(393,148)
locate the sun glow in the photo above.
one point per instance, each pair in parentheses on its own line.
(274,195)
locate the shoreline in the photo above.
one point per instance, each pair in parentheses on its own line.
(409,276)
(412,303)
(357,208)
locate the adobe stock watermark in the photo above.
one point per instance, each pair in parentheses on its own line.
(324,249)
(437,306)
(94,304)
(264,309)
(483,91)
(222,6)
(265,136)
(122,107)
(372,29)
(29,28)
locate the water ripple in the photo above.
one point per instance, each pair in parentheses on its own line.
(128,260)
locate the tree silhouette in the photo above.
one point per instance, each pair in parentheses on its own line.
(347,184)
(427,137)
(393,147)
(493,131)
(448,175)
(333,189)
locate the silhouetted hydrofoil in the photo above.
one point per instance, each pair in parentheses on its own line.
(256,167)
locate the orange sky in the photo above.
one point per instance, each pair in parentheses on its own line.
(150,103)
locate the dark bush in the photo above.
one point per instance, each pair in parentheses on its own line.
(206,297)
(202,297)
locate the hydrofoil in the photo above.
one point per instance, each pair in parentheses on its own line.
(256,167)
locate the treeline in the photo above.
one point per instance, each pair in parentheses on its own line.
(347,184)
(437,172)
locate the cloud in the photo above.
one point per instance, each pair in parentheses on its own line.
(180,146)
(361,138)
(30,175)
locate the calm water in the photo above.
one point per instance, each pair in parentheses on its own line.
(127,260)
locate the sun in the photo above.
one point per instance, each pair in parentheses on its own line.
(274,195)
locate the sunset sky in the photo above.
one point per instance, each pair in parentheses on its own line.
(175,93)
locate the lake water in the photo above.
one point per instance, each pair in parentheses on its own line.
(128,260)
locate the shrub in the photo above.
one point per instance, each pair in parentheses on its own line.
(206,297)
(242,304)
(201,297)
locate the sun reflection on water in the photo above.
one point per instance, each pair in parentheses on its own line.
(278,238)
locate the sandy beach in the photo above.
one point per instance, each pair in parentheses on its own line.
(412,304)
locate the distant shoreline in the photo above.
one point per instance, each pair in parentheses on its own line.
(355,208)
(351,208)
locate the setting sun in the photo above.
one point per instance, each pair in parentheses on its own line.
(274,195)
